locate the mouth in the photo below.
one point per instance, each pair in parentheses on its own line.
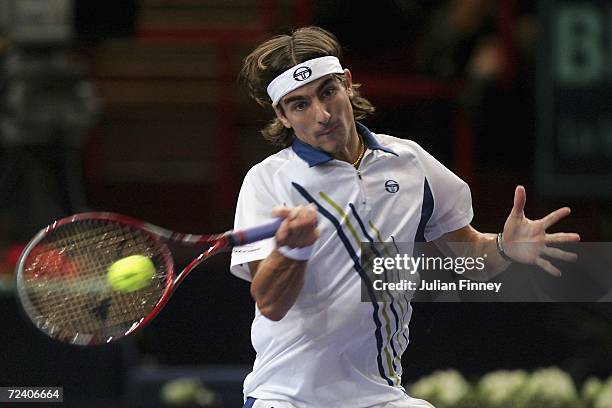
(329,130)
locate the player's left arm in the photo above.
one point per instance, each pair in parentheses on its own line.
(524,241)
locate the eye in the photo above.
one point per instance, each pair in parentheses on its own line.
(298,106)
(328,92)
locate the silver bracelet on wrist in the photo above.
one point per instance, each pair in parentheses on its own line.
(500,247)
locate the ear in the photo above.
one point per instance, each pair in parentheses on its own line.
(280,114)
(349,82)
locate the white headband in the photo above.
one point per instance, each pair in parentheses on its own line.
(301,74)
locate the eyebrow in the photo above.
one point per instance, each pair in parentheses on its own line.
(323,84)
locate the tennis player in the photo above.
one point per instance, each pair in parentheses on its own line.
(336,183)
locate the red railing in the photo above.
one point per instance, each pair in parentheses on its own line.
(225,38)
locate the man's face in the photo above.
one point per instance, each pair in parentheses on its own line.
(320,113)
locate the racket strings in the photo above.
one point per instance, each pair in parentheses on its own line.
(65,279)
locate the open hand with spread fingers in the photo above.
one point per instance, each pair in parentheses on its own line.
(526,241)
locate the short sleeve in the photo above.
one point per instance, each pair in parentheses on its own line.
(451,198)
(255,203)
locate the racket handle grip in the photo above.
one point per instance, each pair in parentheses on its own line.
(253,234)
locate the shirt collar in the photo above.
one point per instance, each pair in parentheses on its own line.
(314,157)
(371,141)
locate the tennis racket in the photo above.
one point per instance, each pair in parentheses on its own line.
(61,274)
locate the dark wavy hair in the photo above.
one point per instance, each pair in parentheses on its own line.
(282,52)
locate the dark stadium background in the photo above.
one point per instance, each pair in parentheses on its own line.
(175,133)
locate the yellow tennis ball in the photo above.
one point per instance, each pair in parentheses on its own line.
(131,273)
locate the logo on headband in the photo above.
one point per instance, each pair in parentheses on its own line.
(302,73)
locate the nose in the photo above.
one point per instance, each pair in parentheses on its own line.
(322,114)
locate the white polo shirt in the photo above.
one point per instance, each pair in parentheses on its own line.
(332,349)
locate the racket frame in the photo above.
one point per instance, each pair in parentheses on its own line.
(161,236)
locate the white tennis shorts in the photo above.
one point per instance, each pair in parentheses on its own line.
(406,402)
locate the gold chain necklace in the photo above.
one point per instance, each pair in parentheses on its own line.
(361,150)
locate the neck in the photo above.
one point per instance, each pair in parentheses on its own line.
(360,152)
(355,147)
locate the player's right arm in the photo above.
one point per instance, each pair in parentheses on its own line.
(277,279)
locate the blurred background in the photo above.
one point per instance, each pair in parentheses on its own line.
(133,107)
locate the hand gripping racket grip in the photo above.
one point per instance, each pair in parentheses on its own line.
(253,234)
